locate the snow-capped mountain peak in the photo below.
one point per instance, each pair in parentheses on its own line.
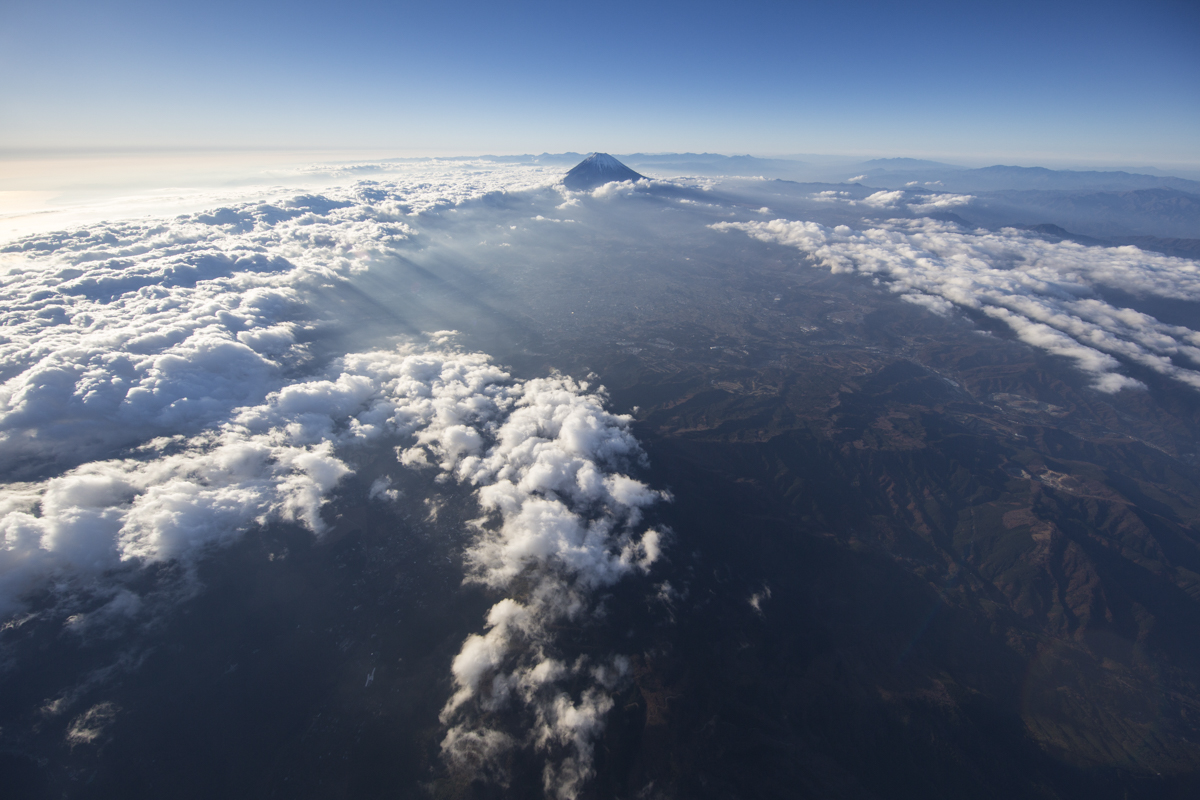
(597,170)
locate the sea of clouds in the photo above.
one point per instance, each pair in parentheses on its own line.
(161,397)
(165,389)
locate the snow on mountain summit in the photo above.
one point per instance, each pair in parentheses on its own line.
(597,170)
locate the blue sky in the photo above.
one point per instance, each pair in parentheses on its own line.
(1023,82)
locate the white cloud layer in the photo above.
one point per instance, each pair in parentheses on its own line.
(561,519)
(151,397)
(116,333)
(917,202)
(1046,292)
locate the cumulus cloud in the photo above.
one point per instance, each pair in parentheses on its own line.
(1045,292)
(178,495)
(615,189)
(917,202)
(936,202)
(152,405)
(881,200)
(119,332)
(561,521)
(546,462)
(624,188)
(151,401)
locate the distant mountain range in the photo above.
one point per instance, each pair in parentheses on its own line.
(1162,213)
(1006,178)
(1095,204)
(885,173)
(905,163)
(1184,248)
(713,164)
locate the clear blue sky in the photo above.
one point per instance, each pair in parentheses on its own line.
(1026,82)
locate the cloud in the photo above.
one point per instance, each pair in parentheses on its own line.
(918,202)
(881,200)
(544,459)
(154,407)
(616,189)
(1045,292)
(162,395)
(561,521)
(625,188)
(381,489)
(758,599)
(90,725)
(151,383)
(175,498)
(120,332)
(935,202)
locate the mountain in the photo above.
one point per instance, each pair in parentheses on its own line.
(1005,177)
(1171,246)
(597,170)
(905,164)
(1000,178)
(1165,213)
